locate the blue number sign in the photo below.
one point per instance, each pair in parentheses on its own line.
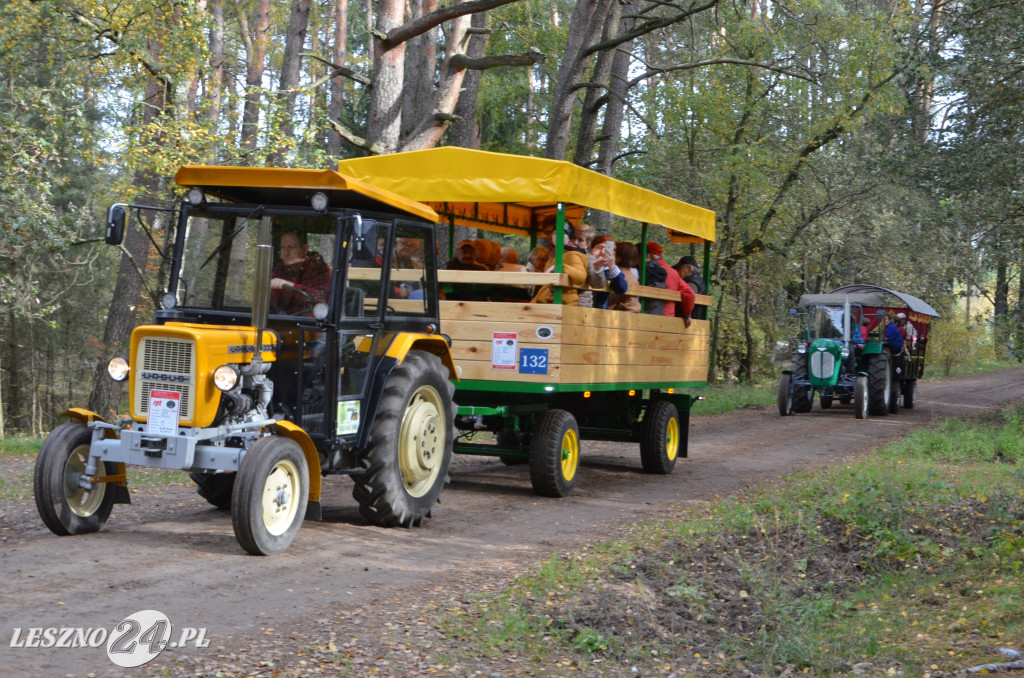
(533,361)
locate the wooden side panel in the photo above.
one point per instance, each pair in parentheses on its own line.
(584,345)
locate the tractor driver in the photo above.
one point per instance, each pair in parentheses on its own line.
(300,279)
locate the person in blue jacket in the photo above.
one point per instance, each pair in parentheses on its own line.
(892,334)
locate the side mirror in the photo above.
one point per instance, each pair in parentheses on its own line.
(364,237)
(115,225)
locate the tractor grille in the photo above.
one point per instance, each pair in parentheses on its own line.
(166,364)
(823,365)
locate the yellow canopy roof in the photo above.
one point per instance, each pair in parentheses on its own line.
(294,187)
(486,190)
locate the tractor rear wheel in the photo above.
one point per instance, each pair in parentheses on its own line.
(879,384)
(64,505)
(659,437)
(215,488)
(555,454)
(785,396)
(410,445)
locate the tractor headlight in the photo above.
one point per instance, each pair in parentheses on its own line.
(225,377)
(845,352)
(802,348)
(319,201)
(118,368)
(195,196)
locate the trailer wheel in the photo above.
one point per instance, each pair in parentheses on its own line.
(659,437)
(785,396)
(826,402)
(879,384)
(909,393)
(268,504)
(555,454)
(65,507)
(860,397)
(410,444)
(216,488)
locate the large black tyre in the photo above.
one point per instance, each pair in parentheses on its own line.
(879,384)
(271,491)
(216,488)
(860,397)
(555,454)
(660,438)
(410,444)
(909,393)
(803,396)
(65,507)
(826,402)
(785,395)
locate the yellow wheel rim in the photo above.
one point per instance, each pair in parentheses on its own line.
(672,439)
(421,441)
(570,454)
(81,501)
(280,497)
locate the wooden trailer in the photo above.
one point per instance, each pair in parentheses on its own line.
(543,377)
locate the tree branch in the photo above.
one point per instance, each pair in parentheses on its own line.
(647,27)
(397,36)
(355,140)
(497,60)
(336,70)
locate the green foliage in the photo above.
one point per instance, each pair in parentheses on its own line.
(952,341)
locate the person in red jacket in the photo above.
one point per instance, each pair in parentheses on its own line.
(684,308)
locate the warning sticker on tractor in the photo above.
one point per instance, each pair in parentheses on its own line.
(348,417)
(503,350)
(164,412)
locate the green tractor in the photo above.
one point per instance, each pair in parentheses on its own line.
(843,353)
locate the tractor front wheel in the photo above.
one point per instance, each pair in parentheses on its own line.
(660,437)
(63,504)
(410,445)
(555,454)
(826,402)
(860,397)
(785,397)
(269,500)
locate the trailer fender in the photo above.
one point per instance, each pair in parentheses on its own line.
(296,433)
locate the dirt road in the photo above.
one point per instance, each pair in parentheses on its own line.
(171,552)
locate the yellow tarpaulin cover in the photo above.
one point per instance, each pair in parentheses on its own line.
(516,187)
(254,184)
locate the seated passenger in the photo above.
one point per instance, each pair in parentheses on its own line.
(408,255)
(488,253)
(465,258)
(537,262)
(603,257)
(627,258)
(510,264)
(574,265)
(300,279)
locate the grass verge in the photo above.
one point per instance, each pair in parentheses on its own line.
(909,562)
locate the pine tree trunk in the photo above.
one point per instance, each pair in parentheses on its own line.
(256,49)
(339,55)
(466,132)
(384,123)
(291,69)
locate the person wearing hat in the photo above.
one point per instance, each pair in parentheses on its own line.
(689,270)
(465,258)
(684,308)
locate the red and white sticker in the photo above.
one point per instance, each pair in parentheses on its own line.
(164,412)
(503,350)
